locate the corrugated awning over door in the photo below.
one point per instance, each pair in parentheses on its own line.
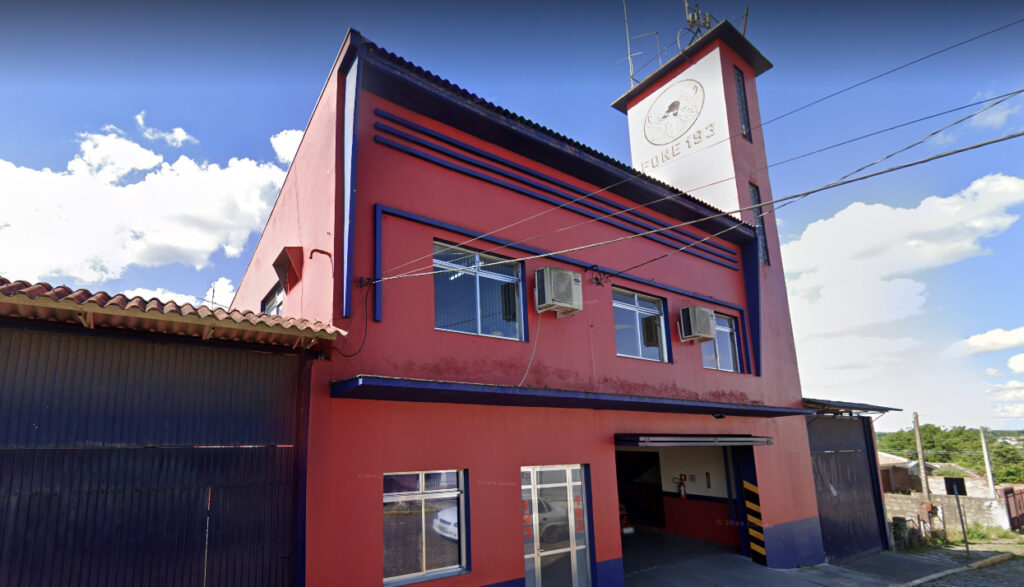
(690,440)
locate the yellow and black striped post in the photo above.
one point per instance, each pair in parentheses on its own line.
(755,528)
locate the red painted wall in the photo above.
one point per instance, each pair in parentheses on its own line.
(353,442)
(701,519)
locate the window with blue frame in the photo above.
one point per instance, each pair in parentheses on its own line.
(273,303)
(721,352)
(639,322)
(424,525)
(476,293)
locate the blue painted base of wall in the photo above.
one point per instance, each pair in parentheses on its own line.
(520,582)
(607,573)
(794,544)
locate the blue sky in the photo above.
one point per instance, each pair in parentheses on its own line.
(887,286)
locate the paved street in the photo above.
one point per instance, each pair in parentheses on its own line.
(652,559)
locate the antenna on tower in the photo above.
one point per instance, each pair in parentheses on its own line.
(629,51)
(696,22)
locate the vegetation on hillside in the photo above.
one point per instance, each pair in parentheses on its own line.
(961,446)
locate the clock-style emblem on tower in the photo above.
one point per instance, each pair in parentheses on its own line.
(674,112)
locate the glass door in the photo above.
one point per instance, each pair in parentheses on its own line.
(555,524)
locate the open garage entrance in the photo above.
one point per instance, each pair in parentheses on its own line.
(702,488)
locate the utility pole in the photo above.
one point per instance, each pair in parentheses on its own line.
(920,461)
(988,463)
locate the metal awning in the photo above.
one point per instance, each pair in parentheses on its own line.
(828,406)
(417,390)
(691,440)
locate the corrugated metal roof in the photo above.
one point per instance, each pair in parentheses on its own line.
(41,301)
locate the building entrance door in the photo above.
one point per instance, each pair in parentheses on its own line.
(555,526)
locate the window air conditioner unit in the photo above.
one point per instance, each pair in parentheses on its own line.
(696,324)
(559,290)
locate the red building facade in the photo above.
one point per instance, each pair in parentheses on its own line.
(458,435)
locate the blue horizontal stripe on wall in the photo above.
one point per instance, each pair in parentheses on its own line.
(378,311)
(604,211)
(512,164)
(444,392)
(504,184)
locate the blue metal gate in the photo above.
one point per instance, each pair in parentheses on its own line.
(847,484)
(134,461)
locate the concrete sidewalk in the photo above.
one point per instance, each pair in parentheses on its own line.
(652,559)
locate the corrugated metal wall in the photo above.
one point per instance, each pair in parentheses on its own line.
(140,462)
(846,480)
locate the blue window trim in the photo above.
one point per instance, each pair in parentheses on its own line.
(666,333)
(520,265)
(378,310)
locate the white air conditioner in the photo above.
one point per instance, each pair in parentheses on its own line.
(559,290)
(696,324)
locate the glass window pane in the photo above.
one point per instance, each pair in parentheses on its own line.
(579,512)
(626,342)
(553,528)
(551,476)
(444,252)
(403,538)
(726,351)
(527,522)
(651,337)
(576,478)
(526,476)
(455,301)
(442,543)
(440,480)
(707,351)
(556,570)
(531,572)
(508,269)
(723,321)
(402,483)
(499,308)
(623,296)
(583,566)
(654,305)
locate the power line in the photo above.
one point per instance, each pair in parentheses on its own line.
(708,146)
(761,212)
(997,99)
(737,210)
(894,70)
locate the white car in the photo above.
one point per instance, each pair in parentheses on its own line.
(446,523)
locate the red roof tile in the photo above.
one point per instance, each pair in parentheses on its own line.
(41,301)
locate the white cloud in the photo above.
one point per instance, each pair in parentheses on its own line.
(996,116)
(841,276)
(997,339)
(990,372)
(285,144)
(1010,391)
(176,137)
(856,270)
(221,293)
(163,295)
(93,221)
(1016,363)
(838,361)
(1014,410)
